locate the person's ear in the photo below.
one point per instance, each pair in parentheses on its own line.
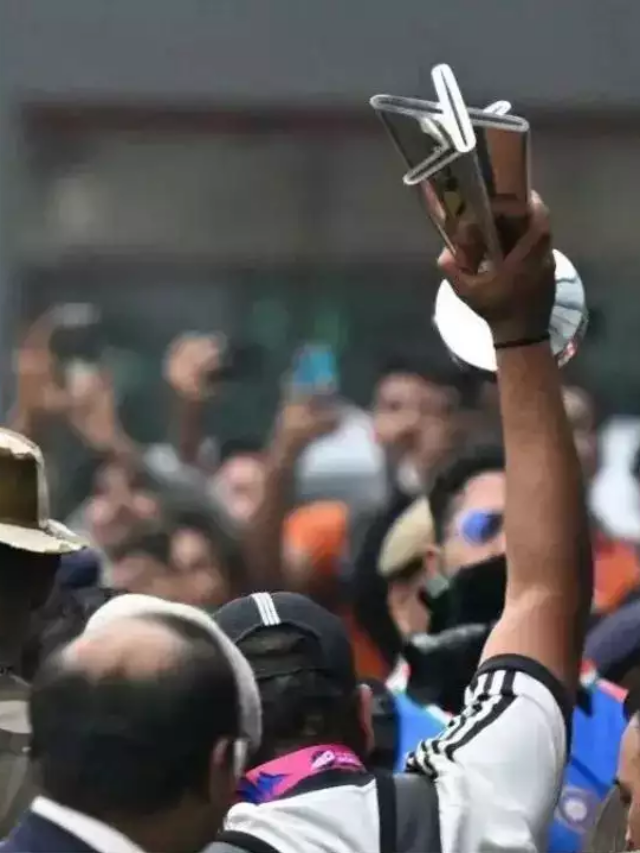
(365,712)
(230,754)
(222,770)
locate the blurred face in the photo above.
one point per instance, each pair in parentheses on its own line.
(119,503)
(194,557)
(137,572)
(579,409)
(629,781)
(415,416)
(475,530)
(240,483)
(192,575)
(195,561)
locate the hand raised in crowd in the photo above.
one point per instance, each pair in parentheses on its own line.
(515,298)
(93,410)
(38,393)
(302,420)
(191,365)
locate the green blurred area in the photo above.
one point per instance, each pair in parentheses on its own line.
(364,317)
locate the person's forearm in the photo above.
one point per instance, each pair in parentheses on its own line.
(19,420)
(189,425)
(546,523)
(29,423)
(262,540)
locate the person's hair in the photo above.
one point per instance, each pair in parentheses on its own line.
(301,706)
(210,522)
(453,476)
(368,589)
(412,364)
(240,447)
(62,619)
(115,745)
(150,538)
(138,477)
(153,538)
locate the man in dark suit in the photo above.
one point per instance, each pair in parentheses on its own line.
(140,731)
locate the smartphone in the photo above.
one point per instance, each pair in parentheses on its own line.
(78,334)
(315,370)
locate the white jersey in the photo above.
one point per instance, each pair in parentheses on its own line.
(498,770)
(499,764)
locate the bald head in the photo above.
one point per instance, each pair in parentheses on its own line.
(138,648)
(127,717)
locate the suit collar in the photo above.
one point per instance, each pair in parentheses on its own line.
(35,834)
(91,834)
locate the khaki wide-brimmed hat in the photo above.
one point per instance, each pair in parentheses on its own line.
(24,501)
(407,539)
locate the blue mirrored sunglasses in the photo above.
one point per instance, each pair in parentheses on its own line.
(478,527)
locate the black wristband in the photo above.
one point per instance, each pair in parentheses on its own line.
(521,342)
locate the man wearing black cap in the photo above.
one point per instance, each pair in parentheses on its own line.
(490,781)
(309,786)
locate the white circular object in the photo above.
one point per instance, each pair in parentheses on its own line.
(468,338)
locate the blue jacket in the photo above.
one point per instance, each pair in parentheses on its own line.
(35,834)
(591,769)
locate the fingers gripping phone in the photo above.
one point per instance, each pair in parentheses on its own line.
(78,332)
(78,340)
(315,371)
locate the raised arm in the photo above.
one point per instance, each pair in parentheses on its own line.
(503,758)
(299,423)
(549,572)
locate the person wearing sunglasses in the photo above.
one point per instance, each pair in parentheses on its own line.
(465,594)
(466,563)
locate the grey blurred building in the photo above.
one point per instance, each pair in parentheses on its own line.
(214,164)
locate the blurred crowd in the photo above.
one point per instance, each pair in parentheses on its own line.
(391,518)
(200,521)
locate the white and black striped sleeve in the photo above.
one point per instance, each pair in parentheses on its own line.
(499,764)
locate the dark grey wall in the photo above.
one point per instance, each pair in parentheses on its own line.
(277,197)
(560,54)
(543,52)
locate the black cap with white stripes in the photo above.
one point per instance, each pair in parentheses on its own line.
(324,643)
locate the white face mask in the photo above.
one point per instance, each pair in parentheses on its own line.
(408,477)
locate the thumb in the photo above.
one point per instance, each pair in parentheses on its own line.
(460,280)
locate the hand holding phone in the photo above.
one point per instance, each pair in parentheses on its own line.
(315,371)
(311,410)
(78,333)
